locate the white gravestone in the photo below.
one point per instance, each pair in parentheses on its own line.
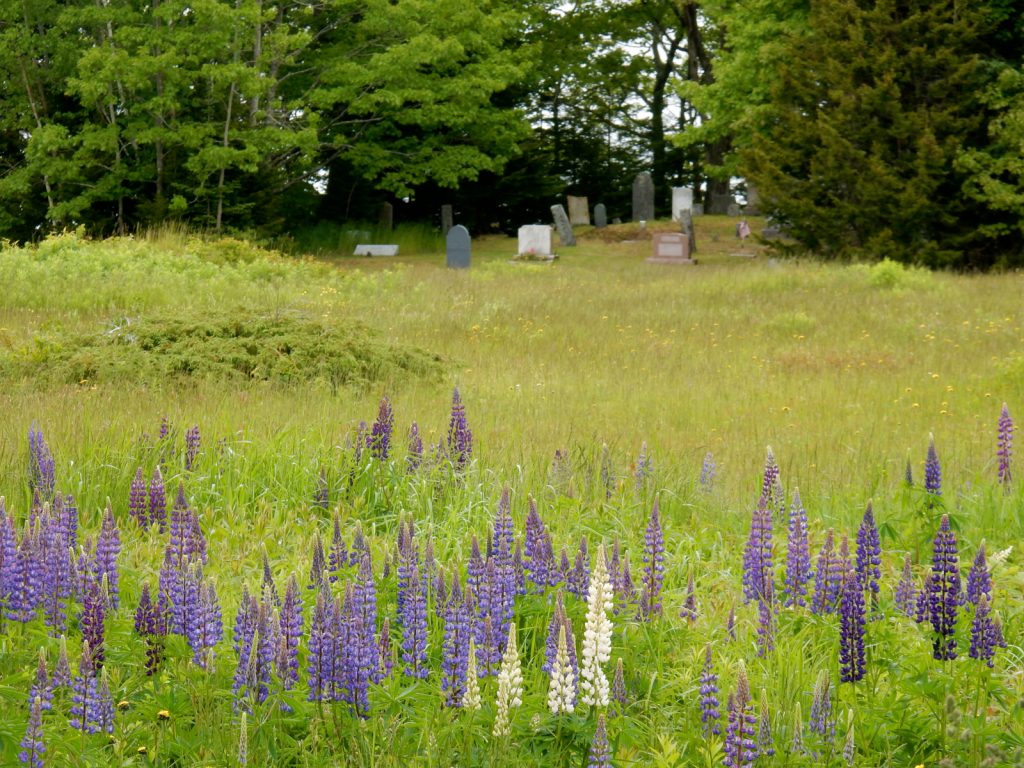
(682,200)
(535,240)
(375,250)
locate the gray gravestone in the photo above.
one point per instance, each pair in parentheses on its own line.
(447,219)
(733,209)
(457,247)
(686,227)
(579,211)
(753,206)
(600,216)
(643,197)
(562,224)
(387,216)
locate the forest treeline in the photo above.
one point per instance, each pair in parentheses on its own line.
(877,128)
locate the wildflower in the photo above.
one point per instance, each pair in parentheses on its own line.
(460,437)
(821,721)
(92,621)
(707,473)
(932,470)
(380,434)
(192,441)
(562,689)
(979,583)
(740,748)
(757,557)
(84,694)
(61,677)
(287,660)
(654,566)
(318,564)
(539,556)
(597,636)
(620,697)
(32,746)
(600,751)
(709,713)
(578,579)
(689,610)
(771,484)
(414,627)
(798,555)
(850,747)
(41,689)
(157,500)
(321,648)
(765,740)
(415,455)
(41,466)
(825,592)
(851,631)
(1004,446)
(986,634)
(943,594)
(243,740)
(797,745)
(471,698)
(108,547)
(510,685)
(137,499)
(906,591)
(455,647)
(644,466)
(386,662)
(322,494)
(869,553)
(766,621)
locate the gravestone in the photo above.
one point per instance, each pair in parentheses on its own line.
(753,206)
(671,248)
(387,216)
(733,209)
(364,249)
(600,216)
(616,220)
(682,200)
(742,229)
(447,219)
(457,244)
(564,227)
(643,197)
(579,211)
(686,227)
(535,241)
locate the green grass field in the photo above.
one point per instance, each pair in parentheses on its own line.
(844,370)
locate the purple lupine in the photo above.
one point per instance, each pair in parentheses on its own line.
(689,610)
(578,579)
(600,755)
(287,660)
(757,556)
(380,434)
(502,588)
(560,620)
(56,586)
(356,660)
(32,746)
(245,618)
(104,705)
(360,442)
(798,555)
(360,547)
(765,738)
(740,747)
(825,592)
(61,677)
(707,473)
(137,500)
(150,627)
(944,592)
(851,630)
(620,696)
(460,437)
(414,457)
(644,466)
(979,582)
(158,500)
(869,554)
(908,474)
(408,560)
(192,441)
(320,658)
(108,547)
(654,566)
(41,466)
(268,587)
(906,591)
(338,559)
(385,658)
(730,622)
(821,721)
(771,484)
(766,620)
(1004,446)
(84,694)
(932,470)
(318,563)
(205,626)
(455,647)
(709,704)
(503,531)
(10,568)
(439,593)
(92,620)
(322,494)
(986,634)
(41,688)
(922,607)
(365,604)
(539,560)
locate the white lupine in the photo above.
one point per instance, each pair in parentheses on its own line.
(471,698)
(510,685)
(562,692)
(597,635)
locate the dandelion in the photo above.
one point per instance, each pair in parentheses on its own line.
(597,636)
(562,689)
(1004,446)
(600,751)
(510,686)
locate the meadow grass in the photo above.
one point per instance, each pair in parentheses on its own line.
(844,370)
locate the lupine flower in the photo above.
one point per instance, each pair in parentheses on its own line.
(104,705)
(108,547)
(771,484)
(766,621)
(825,592)
(707,473)
(455,647)
(798,555)
(906,590)
(869,553)
(821,721)
(360,659)
(460,437)
(560,622)
(322,494)
(380,434)
(415,456)
(644,466)
(797,745)
(192,441)
(291,635)
(318,564)
(157,500)
(654,566)
(986,634)
(510,685)
(151,627)
(1004,446)
(620,696)
(932,470)
(321,648)
(597,636)
(204,627)
(364,597)
(709,714)
(61,677)
(765,739)
(41,688)
(137,499)
(439,593)
(91,622)
(740,747)
(851,631)
(32,746)
(41,466)
(578,579)
(360,547)
(850,747)
(471,699)
(908,473)
(943,594)
(600,751)
(979,583)
(414,628)
(243,740)
(757,556)
(562,689)
(84,715)
(689,610)
(607,472)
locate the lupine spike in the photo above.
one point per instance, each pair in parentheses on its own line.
(707,473)
(943,595)
(709,703)
(654,566)
(600,755)
(380,434)
(851,631)
(906,591)
(932,470)
(137,506)
(869,553)
(798,555)
(597,636)
(460,437)
(979,582)
(415,456)
(1004,446)
(32,746)
(158,500)
(192,441)
(765,738)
